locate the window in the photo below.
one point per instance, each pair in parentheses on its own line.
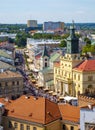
(78,92)
(21,127)
(64,127)
(90,86)
(90,78)
(45,59)
(34,128)
(6,84)
(72,128)
(74,76)
(17,82)
(13,83)
(56,71)
(15,125)
(78,77)
(45,64)
(10,124)
(27,127)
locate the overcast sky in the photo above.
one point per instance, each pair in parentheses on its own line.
(19,11)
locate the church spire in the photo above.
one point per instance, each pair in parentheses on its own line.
(45,52)
(72,30)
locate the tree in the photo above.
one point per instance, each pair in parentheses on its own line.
(21,39)
(89,48)
(87,40)
(63,43)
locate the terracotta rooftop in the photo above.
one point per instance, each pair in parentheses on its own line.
(87,65)
(9,74)
(39,110)
(5,101)
(57,64)
(89,106)
(38,56)
(70,113)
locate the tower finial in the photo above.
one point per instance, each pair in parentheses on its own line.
(73,23)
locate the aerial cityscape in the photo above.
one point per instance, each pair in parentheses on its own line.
(47,65)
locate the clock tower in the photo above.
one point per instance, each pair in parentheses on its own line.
(72,42)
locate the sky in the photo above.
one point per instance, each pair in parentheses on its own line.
(19,11)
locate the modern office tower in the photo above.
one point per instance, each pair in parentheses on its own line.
(53,26)
(32,23)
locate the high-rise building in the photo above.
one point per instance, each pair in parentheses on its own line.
(53,26)
(32,23)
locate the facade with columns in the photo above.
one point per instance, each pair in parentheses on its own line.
(74,74)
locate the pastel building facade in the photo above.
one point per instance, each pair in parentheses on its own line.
(74,74)
(87,117)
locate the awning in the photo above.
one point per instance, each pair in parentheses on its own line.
(61,97)
(68,98)
(33,80)
(54,94)
(36,85)
(29,60)
(50,92)
(40,86)
(26,51)
(46,89)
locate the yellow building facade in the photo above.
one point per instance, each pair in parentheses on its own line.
(75,74)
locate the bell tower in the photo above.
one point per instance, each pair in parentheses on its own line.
(44,58)
(72,41)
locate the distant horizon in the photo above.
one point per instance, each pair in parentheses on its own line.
(56,21)
(15,11)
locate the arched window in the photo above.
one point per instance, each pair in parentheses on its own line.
(34,128)
(45,64)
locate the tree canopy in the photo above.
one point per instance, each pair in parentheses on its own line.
(21,39)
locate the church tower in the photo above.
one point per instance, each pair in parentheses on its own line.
(72,56)
(72,42)
(44,62)
(64,83)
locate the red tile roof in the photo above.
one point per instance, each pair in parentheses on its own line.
(39,110)
(70,113)
(89,106)
(38,56)
(87,65)
(5,101)
(57,64)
